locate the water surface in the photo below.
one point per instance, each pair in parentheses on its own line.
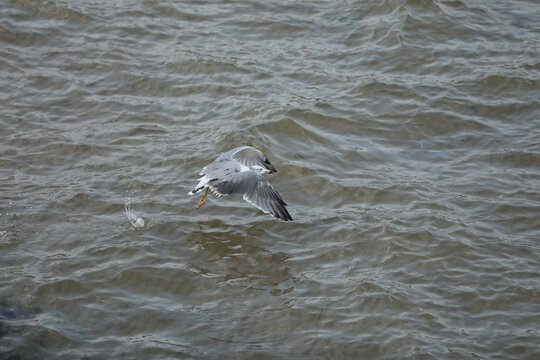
(406,135)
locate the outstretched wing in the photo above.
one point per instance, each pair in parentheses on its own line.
(255,190)
(249,156)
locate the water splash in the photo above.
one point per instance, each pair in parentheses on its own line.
(135,221)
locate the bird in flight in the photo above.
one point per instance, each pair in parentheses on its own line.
(239,171)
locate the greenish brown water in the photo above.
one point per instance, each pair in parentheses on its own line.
(407,139)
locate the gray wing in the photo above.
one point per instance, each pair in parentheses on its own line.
(245,155)
(220,168)
(256,190)
(249,156)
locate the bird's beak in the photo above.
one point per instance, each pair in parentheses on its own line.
(268,171)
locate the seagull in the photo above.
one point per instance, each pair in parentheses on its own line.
(239,171)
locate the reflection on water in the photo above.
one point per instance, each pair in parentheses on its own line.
(406,134)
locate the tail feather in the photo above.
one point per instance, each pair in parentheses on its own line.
(196,190)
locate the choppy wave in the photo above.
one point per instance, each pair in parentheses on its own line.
(405,134)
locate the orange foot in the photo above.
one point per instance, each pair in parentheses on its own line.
(204,198)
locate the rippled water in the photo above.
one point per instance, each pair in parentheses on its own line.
(407,139)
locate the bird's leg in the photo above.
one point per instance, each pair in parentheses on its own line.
(204,198)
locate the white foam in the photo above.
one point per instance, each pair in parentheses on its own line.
(135,221)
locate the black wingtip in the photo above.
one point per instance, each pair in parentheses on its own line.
(269,166)
(284,215)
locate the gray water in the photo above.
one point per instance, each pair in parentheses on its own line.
(406,135)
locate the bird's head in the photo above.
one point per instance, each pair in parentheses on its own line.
(263,169)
